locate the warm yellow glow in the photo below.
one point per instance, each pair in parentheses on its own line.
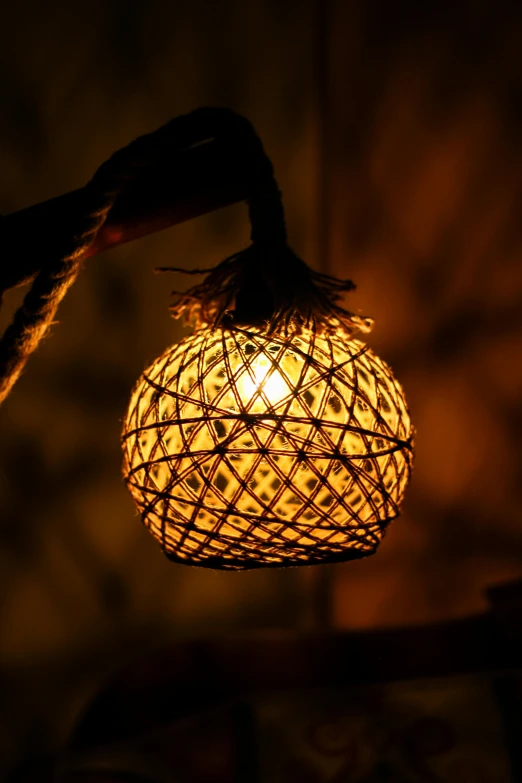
(241,448)
(260,385)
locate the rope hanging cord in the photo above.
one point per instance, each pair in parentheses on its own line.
(37,312)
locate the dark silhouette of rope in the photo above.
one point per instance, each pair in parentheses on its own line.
(33,319)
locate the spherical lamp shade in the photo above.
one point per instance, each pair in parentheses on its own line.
(245,449)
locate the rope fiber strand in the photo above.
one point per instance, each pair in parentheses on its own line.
(36,314)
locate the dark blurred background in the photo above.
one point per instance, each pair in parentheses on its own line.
(396,134)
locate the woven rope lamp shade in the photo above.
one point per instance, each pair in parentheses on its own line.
(244,449)
(272,435)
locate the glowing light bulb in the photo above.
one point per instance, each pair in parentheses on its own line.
(262,386)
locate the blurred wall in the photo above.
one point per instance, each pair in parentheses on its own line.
(414,171)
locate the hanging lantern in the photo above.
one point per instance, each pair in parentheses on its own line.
(272,435)
(245,449)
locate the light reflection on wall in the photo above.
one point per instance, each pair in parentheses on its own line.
(425,167)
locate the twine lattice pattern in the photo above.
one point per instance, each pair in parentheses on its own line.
(245,450)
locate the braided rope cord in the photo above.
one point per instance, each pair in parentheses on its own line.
(35,316)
